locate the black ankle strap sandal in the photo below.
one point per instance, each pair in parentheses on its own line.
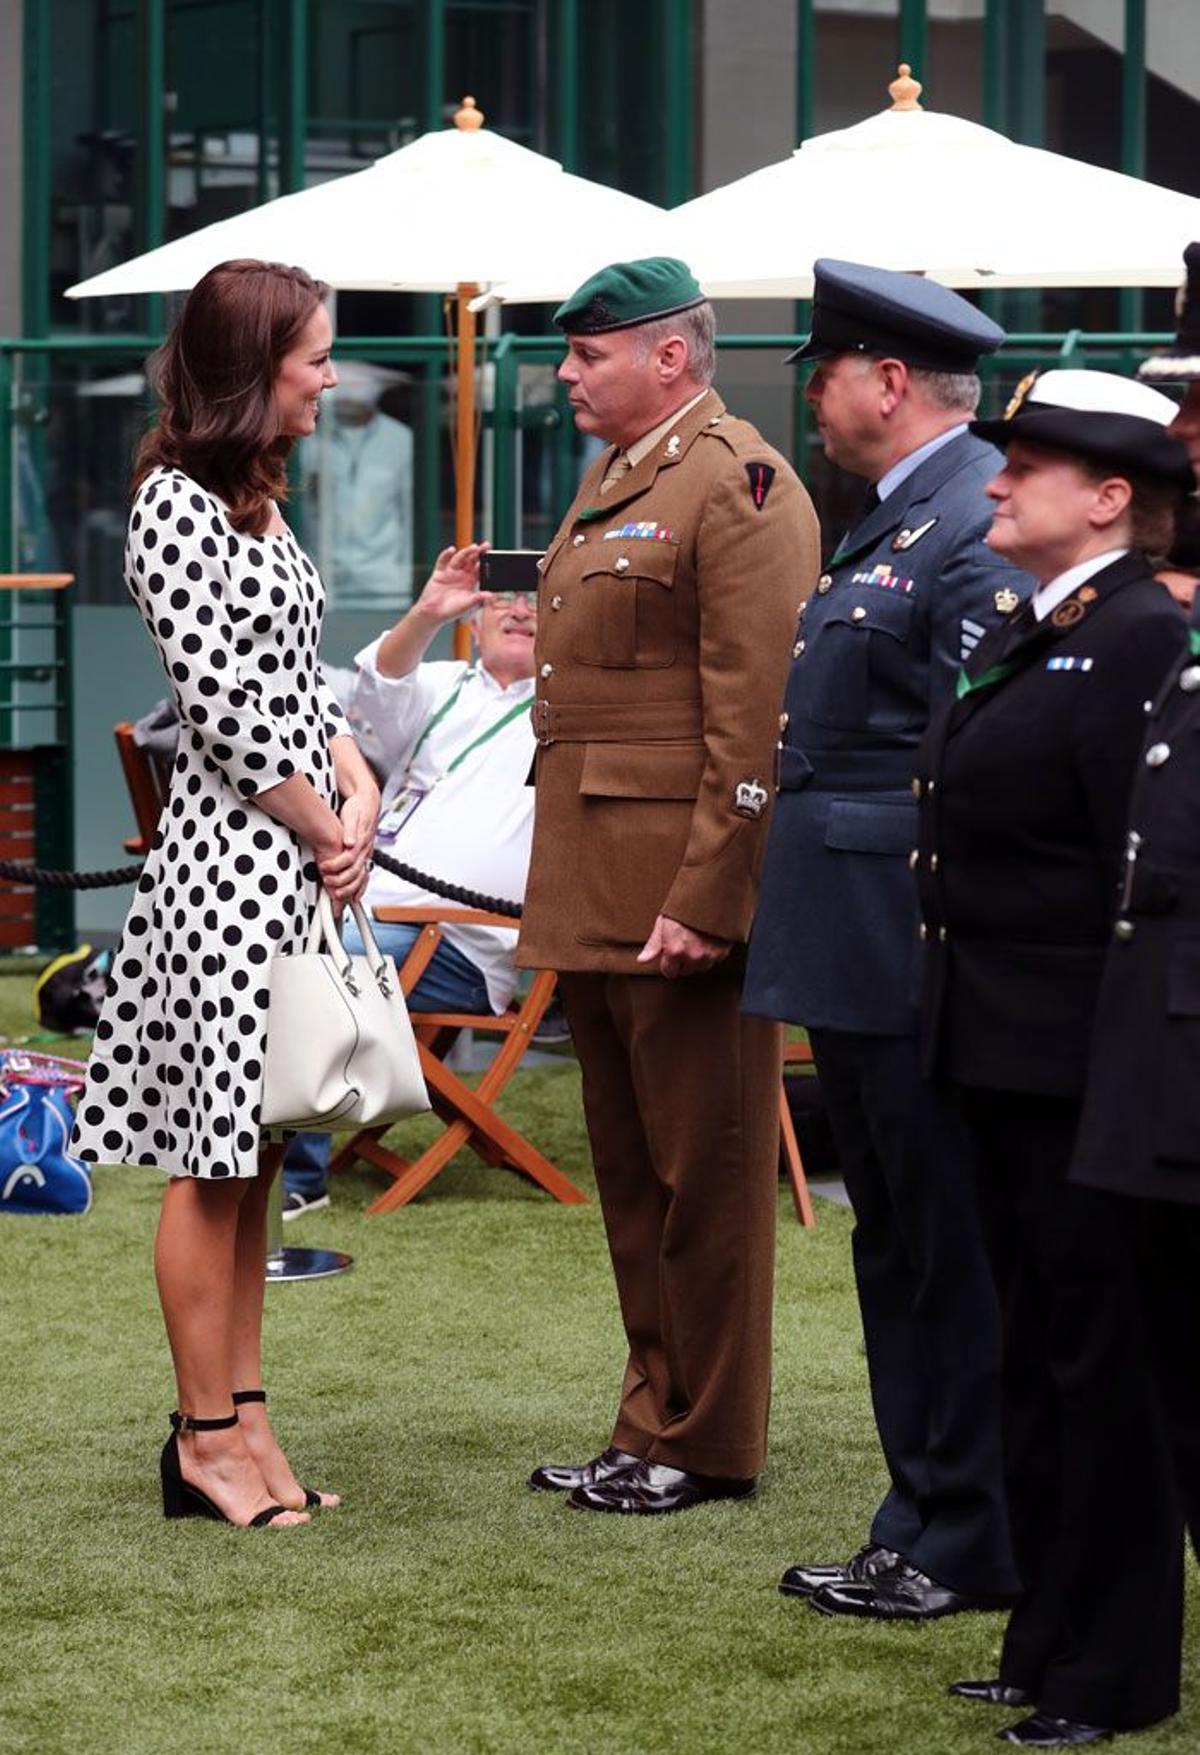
(189,1423)
(312,1499)
(180,1498)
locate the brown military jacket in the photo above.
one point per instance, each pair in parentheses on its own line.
(666,615)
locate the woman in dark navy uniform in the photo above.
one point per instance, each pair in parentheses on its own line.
(1023,782)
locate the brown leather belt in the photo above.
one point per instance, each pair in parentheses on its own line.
(642,722)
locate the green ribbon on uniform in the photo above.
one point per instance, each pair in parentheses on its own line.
(967,685)
(1194,642)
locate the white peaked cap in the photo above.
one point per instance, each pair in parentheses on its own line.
(1103,393)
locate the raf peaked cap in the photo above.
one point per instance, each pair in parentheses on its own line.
(1182,359)
(628,293)
(1095,415)
(877,311)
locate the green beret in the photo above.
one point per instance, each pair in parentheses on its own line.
(626,293)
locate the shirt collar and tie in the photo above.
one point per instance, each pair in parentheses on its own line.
(629,459)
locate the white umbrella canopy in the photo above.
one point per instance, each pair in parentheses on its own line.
(460,205)
(934,194)
(457,209)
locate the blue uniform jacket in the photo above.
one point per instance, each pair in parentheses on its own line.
(904,602)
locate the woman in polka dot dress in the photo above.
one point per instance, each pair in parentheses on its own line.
(269,799)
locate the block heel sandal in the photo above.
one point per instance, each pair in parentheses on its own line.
(180,1498)
(312,1499)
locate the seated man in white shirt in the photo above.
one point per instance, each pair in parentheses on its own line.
(458,745)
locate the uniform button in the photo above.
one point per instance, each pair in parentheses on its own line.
(1189,679)
(798,648)
(933,862)
(1157,754)
(547,670)
(923,932)
(578,541)
(914,859)
(858,613)
(941,935)
(824,583)
(801,607)
(916,787)
(1124,931)
(622,563)
(556,601)
(784,720)
(1135,840)
(931,786)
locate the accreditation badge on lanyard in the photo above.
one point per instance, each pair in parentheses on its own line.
(399,811)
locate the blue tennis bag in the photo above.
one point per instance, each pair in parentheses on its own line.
(37,1173)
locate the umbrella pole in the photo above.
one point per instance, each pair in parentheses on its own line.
(464,442)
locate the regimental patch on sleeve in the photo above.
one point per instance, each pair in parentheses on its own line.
(761,476)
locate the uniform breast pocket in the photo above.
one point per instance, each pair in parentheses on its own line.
(627,608)
(857,668)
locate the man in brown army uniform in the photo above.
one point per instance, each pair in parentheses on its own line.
(666,609)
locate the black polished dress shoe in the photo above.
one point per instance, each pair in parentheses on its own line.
(653,1488)
(565,1477)
(995,1693)
(861,1568)
(1043,1732)
(903,1594)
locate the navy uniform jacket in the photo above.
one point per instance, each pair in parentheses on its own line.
(904,601)
(1024,783)
(1140,1132)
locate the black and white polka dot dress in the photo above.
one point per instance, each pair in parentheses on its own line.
(175,1075)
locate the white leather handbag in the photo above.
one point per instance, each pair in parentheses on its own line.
(340,1046)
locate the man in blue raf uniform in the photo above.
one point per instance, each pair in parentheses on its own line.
(908,595)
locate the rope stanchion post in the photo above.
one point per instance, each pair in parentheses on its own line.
(287,1263)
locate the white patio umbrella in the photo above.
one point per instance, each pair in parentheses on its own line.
(915,190)
(458,209)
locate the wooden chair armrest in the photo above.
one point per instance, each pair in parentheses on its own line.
(441,914)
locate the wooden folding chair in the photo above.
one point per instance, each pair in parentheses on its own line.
(469,1115)
(148,778)
(795,1054)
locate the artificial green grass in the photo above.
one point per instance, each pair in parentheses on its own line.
(445,1610)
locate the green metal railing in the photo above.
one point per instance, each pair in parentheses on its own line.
(506,419)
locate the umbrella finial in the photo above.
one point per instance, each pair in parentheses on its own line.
(905,91)
(469,117)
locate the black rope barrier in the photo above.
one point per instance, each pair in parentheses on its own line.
(17,872)
(451,892)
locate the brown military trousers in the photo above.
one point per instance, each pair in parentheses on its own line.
(681,1095)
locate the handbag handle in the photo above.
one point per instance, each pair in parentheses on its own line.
(324,926)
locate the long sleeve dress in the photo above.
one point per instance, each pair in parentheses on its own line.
(175,1075)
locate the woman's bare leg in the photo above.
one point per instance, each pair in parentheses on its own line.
(249,1284)
(194,1265)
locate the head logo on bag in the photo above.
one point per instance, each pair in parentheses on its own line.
(37,1172)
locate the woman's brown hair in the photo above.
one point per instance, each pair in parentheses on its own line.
(1154,505)
(214,377)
